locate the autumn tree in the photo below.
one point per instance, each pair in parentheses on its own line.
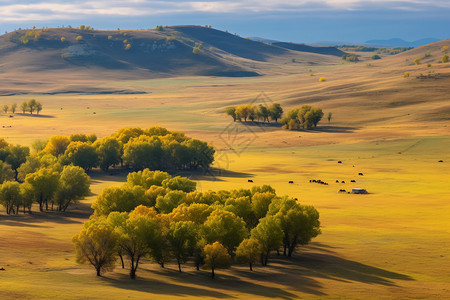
(57,145)
(329,117)
(13,108)
(43,184)
(445,58)
(275,111)
(10,196)
(32,105)
(17,155)
(119,198)
(5,108)
(82,154)
(24,107)
(96,244)
(231,111)
(109,152)
(216,257)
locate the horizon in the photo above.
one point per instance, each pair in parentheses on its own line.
(301,21)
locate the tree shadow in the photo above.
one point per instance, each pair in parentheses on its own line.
(329,266)
(36,116)
(332,129)
(212,174)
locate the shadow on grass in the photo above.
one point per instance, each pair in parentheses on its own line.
(329,266)
(36,116)
(212,174)
(76,213)
(332,129)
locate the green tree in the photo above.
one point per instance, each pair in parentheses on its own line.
(260,205)
(143,152)
(445,58)
(6,173)
(231,111)
(32,104)
(5,108)
(417,61)
(38,107)
(226,228)
(180,184)
(24,107)
(165,204)
(182,237)
(109,151)
(10,196)
(147,178)
(73,186)
(275,111)
(96,245)
(269,234)
(43,184)
(263,112)
(82,154)
(122,199)
(249,251)
(17,156)
(13,108)
(329,117)
(216,257)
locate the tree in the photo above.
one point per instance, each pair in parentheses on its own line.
(24,107)
(269,234)
(73,185)
(6,173)
(32,105)
(109,152)
(264,113)
(63,39)
(375,57)
(147,178)
(13,108)
(97,245)
(417,61)
(143,152)
(79,38)
(299,223)
(329,117)
(260,205)
(82,154)
(180,184)
(445,58)
(231,111)
(17,156)
(216,257)
(10,196)
(226,228)
(119,198)
(249,251)
(57,145)
(165,204)
(182,237)
(275,111)
(43,184)
(5,108)
(38,107)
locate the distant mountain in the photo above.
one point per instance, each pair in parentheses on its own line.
(397,42)
(306,48)
(264,40)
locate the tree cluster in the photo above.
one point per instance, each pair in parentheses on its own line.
(305,117)
(255,112)
(30,106)
(163,218)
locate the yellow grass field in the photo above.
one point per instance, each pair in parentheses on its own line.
(390,244)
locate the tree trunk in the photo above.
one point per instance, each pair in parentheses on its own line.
(121,260)
(179,265)
(267,258)
(251,267)
(98,272)
(292,246)
(212,272)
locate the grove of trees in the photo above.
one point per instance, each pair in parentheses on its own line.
(305,117)
(161,219)
(255,112)
(55,176)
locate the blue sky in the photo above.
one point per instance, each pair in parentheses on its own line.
(294,20)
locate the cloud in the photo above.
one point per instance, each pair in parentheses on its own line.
(25,11)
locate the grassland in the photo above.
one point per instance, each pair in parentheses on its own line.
(390,244)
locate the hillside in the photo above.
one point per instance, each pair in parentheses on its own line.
(305,48)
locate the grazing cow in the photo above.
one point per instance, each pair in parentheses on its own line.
(361,174)
(291,181)
(337,181)
(339,162)
(441,160)
(295,199)
(250,180)
(353,180)
(343,181)
(342,191)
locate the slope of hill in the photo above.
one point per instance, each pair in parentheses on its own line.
(397,42)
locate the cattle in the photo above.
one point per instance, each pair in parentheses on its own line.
(361,174)
(342,191)
(343,181)
(339,162)
(94,113)
(290,181)
(295,199)
(337,181)
(250,180)
(441,160)
(353,180)
(11,116)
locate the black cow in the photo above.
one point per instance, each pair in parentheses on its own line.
(361,174)
(291,181)
(250,180)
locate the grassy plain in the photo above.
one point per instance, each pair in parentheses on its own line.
(390,244)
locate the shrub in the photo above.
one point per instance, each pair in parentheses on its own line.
(170,38)
(196,50)
(79,38)
(159,28)
(109,37)
(445,58)
(128,47)
(322,79)
(375,56)
(444,48)
(63,39)
(417,61)
(406,75)
(125,41)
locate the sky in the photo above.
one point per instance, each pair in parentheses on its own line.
(294,20)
